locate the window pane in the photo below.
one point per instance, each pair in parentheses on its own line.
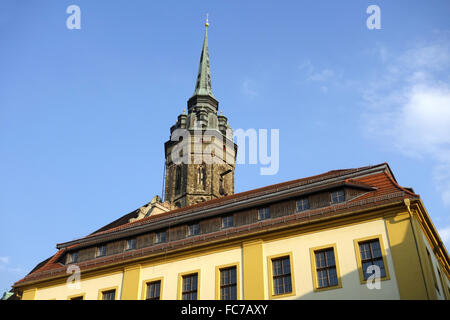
(286,266)
(333,281)
(322,278)
(376,250)
(287,284)
(276,265)
(224,294)
(233,293)
(277,285)
(330,258)
(320,259)
(233,275)
(365,265)
(380,264)
(365,251)
(225,278)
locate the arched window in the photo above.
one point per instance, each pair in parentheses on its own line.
(201,176)
(178,180)
(221,186)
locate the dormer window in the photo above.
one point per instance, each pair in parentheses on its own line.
(160,237)
(227,222)
(101,251)
(72,257)
(302,204)
(131,244)
(263,213)
(338,196)
(193,229)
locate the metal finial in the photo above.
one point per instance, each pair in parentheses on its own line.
(207,22)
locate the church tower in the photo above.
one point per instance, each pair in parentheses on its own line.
(200,155)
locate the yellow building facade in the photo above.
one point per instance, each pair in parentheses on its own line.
(401,229)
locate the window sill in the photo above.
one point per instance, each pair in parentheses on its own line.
(339,286)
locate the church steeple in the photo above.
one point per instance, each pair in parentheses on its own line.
(203,140)
(203,89)
(203,84)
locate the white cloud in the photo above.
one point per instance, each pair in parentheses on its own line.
(324,76)
(5,265)
(409,107)
(445,234)
(4,260)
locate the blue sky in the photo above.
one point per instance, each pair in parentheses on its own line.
(84,114)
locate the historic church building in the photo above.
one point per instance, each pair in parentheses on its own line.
(344,234)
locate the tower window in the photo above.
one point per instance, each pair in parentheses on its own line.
(178,180)
(338,196)
(201,177)
(221,189)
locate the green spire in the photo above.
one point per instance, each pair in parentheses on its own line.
(203,85)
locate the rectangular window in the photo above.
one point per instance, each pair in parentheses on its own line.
(77,298)
(190,283)
(228,284)
(73,257)
(338,196)
(281,273)
(227,222)
(154,290)
(109,295)
(263,213)
(371,255)
(193,229)
(101,251)
(302,204)
(326,268)
(131,244)
(160,237)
